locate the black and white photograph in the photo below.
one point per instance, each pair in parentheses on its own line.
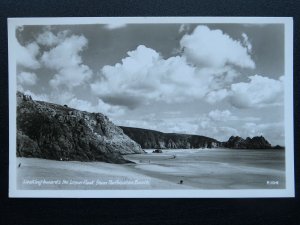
(151,107)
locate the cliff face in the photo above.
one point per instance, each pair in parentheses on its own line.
(51,131)
(248,143)
(154,139)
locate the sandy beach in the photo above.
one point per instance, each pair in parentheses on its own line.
(197,169)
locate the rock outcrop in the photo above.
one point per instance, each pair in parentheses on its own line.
(278,147)
(149,139)
(248,143)
(51,131)
(157,151)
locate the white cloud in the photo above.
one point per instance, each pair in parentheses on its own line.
(259,92)
(145,76)
(71,76)
(213,48)
(65,54)
(49,39)
(26,56)
(214,125)
(246,42)
(65,58)
(26,78)
(218,115)
(115,25)
(216,96)
(184,28)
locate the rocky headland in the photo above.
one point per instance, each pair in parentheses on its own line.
(149,139)
(258,142)
(51,131)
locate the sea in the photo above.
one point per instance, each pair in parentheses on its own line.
(216,168)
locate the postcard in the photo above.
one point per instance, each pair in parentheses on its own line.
(151,107)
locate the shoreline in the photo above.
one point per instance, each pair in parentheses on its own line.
(197,169)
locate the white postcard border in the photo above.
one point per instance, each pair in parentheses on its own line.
(289,191)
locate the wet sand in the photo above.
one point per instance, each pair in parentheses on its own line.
(198,169)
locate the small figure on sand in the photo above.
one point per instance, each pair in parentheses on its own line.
(19,165)
(181,182)
(173,157)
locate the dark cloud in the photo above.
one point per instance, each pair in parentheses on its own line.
(131,102)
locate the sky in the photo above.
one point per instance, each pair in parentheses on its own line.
(215,80)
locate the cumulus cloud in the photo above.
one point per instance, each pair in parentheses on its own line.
(216,96)
(144,76)
(204,71)
(65,54)
(71,76)
(65,58)
(26,78)
(259,92)
(48,38)
(213,48)
(26,55)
